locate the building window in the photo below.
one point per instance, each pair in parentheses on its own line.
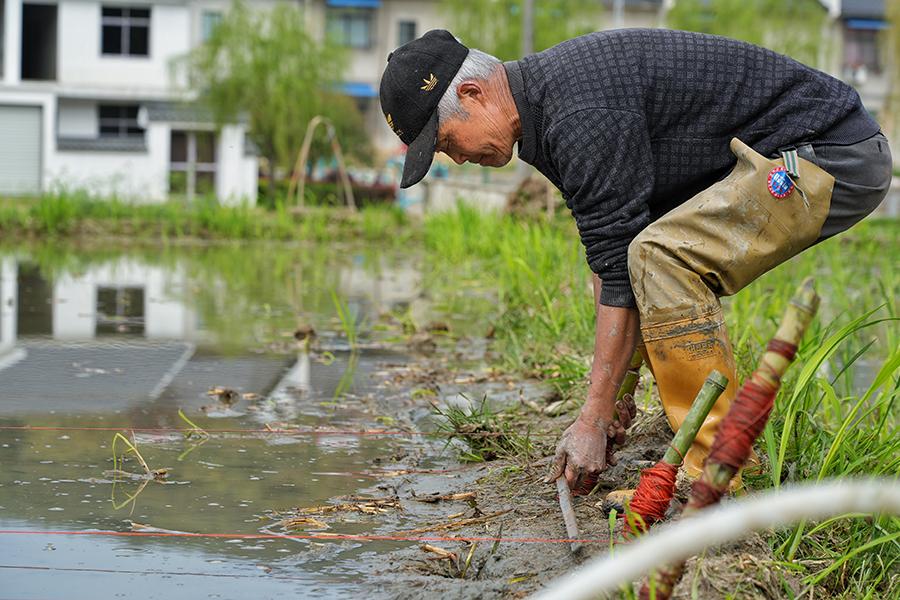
(406,32)
(126,31)
(208,22)
(351,27)
(192,164)
(119,121)
(861,52)
(120,310)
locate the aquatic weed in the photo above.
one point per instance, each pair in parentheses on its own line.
(486,434)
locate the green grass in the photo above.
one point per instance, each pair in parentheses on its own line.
(528,278)
(77,214)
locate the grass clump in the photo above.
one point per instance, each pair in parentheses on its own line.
(485,435)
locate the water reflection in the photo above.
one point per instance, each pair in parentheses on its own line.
(125,329)
(104,338)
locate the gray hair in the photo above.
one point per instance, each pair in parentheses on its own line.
(478,66)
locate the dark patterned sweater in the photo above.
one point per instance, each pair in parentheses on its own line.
(630,123)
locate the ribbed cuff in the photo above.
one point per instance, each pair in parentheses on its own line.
(617,294)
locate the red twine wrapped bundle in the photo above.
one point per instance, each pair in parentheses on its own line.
(652,496)
(744,422)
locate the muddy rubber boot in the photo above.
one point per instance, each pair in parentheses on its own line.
(683,354)
(618,499)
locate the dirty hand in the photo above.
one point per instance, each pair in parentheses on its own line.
(625,413)
(581,455)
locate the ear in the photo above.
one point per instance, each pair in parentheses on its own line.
(470,91)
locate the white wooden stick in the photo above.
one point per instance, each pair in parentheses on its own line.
(568,512)
(723,523)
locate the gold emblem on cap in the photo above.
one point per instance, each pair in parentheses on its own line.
(390,122)
(429,83)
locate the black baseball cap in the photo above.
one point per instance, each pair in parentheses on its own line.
(416,77)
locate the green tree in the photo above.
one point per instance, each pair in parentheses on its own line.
(265,66)
(792,27)
(495,26)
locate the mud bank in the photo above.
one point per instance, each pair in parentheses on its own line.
(508,499)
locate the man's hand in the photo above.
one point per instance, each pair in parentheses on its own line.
(586,447)
(581,455)
(626,410)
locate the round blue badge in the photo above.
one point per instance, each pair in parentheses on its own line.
(780,184)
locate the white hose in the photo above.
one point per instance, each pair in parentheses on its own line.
(683,539)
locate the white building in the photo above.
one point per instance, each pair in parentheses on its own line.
(86,101)
(370,30)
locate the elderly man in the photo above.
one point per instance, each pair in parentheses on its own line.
(692,164)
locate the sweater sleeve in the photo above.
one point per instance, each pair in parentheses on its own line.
(605,166)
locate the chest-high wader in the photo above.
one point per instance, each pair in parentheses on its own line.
(763,213)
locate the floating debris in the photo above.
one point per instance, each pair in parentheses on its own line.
(150,529)
(226,396)
(440,552)
(367,506)
(294,523)
(153,475)
(304,333)
(456,524)
(437,327)
(432,498)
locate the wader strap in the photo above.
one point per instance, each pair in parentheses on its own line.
(791,162)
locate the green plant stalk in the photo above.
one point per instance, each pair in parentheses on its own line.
(194,430)
(348,323)
(632,376)
(130,447)
(712,388)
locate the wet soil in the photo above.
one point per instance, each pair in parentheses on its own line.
(530,510)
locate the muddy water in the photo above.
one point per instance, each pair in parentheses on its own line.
(109,339)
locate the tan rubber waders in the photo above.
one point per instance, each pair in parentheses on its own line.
(713,245)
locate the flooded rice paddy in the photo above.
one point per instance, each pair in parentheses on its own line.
(98,342)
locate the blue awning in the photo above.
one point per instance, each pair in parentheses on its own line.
(876,24)
(358,90)
(354,3)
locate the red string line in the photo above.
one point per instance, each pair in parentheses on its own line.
(652,496)
(359,537)
(704,494)
(310,432)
